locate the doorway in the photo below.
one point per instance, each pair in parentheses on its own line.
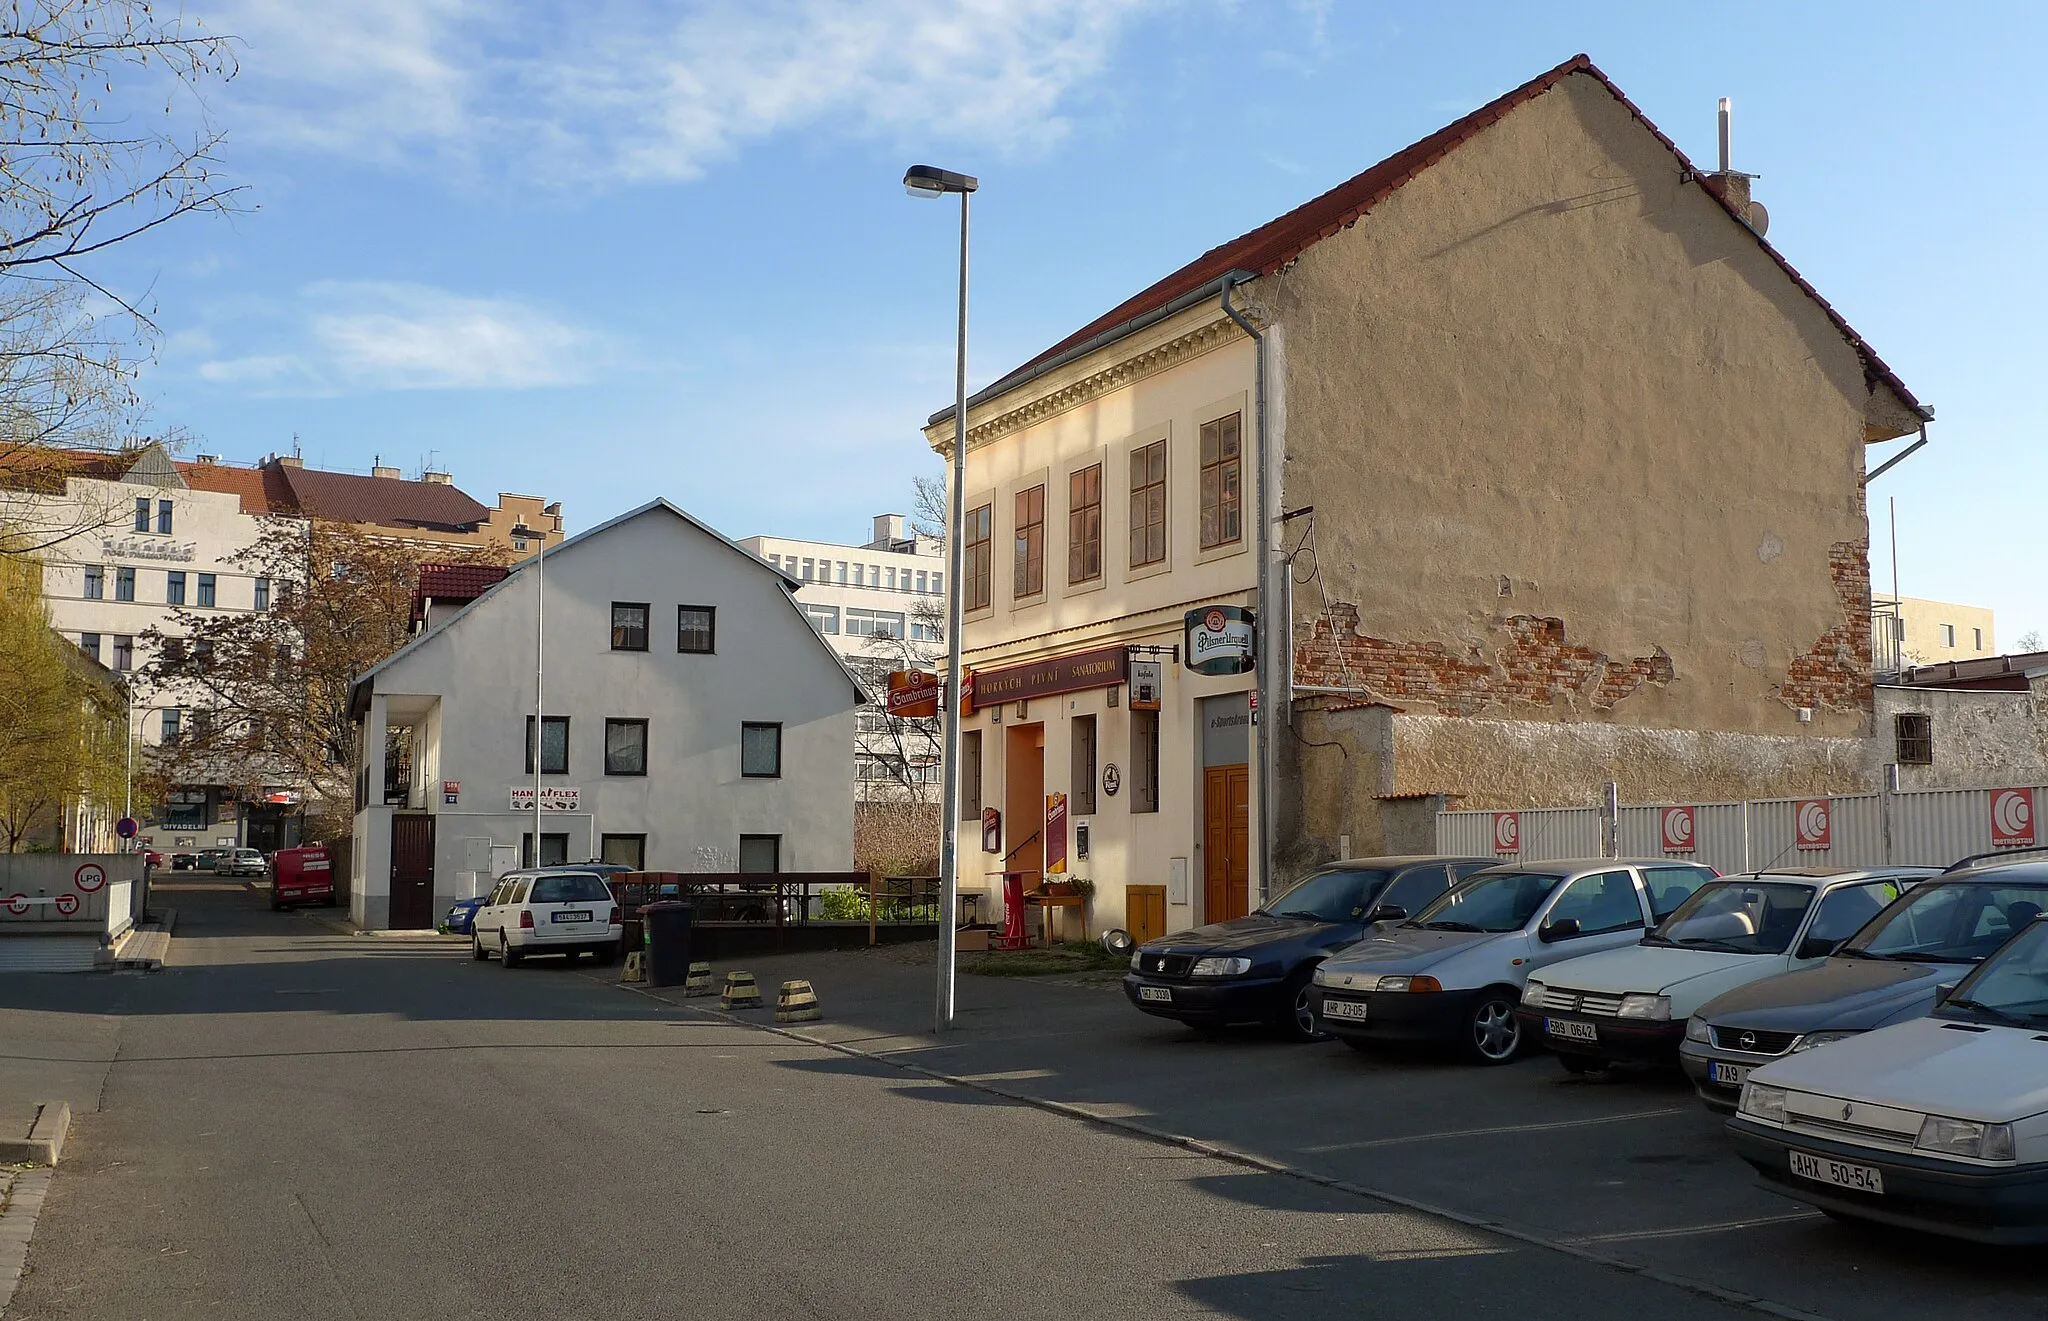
(1226,807)
(412,871)
(1024,800)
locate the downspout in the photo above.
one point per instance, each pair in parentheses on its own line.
(1272,618)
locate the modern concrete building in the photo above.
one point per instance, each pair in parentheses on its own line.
(694,722)
(1561,464)
(1911,630)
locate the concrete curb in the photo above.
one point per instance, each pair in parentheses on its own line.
(45,1141)
(1499,1228)
(21,1194)
(145,947)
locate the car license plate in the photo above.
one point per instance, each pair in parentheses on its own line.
(1163,994)
(1570,1031)
(1354,1009)
(1728,1075)
(575,915)
(1821,1169)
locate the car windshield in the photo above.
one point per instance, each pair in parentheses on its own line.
(2010,986)
(1330,896)
(1739,916)
(577,889)
(1497,902)
(1955,922)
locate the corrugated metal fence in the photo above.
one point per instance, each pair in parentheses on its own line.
(1928,828)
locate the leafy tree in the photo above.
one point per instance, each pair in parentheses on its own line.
(61,717)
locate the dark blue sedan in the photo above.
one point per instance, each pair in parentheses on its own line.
(462,916)
(1256,968)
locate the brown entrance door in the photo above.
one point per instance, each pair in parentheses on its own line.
(1024,800)
(1226,842)
(412,871)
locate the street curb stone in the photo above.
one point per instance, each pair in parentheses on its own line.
(1498,1228)
(21,1192)
(46,1134)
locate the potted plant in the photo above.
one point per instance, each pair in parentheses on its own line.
(1058,886)
(1083,887)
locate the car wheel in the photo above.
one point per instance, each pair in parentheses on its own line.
(507,956)
(1582,1065)
(1298,1004)
(476,947)
(1492,1033)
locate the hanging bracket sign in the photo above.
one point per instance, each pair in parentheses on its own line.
(1221,639)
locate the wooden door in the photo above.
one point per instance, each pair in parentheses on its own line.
(1226,842)
(1145,912)
(412,871)
(1024,800)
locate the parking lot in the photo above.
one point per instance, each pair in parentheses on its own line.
(1630,1167)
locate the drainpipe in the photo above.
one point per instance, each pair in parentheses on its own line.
(1272,618)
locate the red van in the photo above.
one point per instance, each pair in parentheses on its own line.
(301,876)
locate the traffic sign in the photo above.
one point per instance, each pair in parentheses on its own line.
(67,904)
(88,878)
(126,827)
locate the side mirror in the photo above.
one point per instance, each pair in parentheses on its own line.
(1563,929)
(1817,947)
(1387,913)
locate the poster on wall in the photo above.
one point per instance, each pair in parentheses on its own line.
(1055,834)
(1146,678)
(991,830)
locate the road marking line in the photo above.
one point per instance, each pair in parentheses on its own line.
(1490,1132)
(1683,1231)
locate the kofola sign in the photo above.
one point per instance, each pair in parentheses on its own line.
(1220,640)
(1100,668)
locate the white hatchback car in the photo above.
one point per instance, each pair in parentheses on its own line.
(554,910)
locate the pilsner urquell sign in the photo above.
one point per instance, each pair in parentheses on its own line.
(1221,639)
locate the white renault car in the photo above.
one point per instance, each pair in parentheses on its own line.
(1938,1123)
(554,910)
(1634,1004)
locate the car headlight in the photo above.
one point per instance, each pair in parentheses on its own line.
(1696,1030)
(1532,992)
(1409,983)
(1656,1008)
(1218,966)
(1766,1103)
(1317,976)
(1965,1137)
(1812,1039)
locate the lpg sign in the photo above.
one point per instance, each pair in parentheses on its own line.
(1507,833)
(2012,818)
(1814,827)
(1678,830)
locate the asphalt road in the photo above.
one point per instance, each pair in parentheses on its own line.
(305,1125)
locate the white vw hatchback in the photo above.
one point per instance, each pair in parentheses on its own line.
(1937,1123)
(555,910)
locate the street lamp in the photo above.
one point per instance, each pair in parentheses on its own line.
(928,181)
(540,633)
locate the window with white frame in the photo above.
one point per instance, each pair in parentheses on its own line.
(824,618)
(865,623)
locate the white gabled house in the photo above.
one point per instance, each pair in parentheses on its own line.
(695,721)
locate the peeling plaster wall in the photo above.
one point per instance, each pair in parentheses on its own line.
(1578,451)
(1981,739)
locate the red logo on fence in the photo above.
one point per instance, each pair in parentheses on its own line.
(1678,830)
(1507,832)
(1815,827)
(2012,818)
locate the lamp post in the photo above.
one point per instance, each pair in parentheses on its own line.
(929,181)
(540,633)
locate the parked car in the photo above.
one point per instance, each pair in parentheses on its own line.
(239,862)
(303,875)
(1937,1124)
(461,919)
(549,910)
(1453,972)
(1886,973)
(183,861)
(1632,1005)
(205,859)
(1256,968)
(151,858)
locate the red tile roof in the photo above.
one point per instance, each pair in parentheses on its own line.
(453,582)
(1277,242)
(262,490)
(346,497)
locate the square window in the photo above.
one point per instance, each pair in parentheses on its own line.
(824,618)
(760,854)
(1222,483)
(625,747)
(263,593)
(163,516)
(697,629)
(170,726)
(1144,761)
(124,584)
(1913,735)
(624,850)
(1028,569)
(760,750)
(1948,635)
(1081,768)
(95,582)
(1084,524)
(980,557)
(206,589)
(124,652)
(554,751)
(174,588)
(554,851)
(89,643)
(1148,504)
(142,513)
(629,625)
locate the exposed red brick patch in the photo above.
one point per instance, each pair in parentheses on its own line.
(1535,664)
(1835,672)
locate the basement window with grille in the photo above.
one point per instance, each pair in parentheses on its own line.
(1915,738)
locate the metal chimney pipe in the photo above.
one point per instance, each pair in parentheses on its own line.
(1727,135)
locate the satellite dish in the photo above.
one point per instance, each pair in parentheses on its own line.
(1759,219)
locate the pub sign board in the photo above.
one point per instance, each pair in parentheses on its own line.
(1101,668)
(1221,639)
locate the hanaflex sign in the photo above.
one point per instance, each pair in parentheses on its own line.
(1221,639)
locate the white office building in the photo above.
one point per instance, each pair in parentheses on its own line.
(882,607)
(693,722)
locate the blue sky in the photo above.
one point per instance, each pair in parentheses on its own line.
(628,247)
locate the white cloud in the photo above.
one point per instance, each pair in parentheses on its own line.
(641,91)
(355,336)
